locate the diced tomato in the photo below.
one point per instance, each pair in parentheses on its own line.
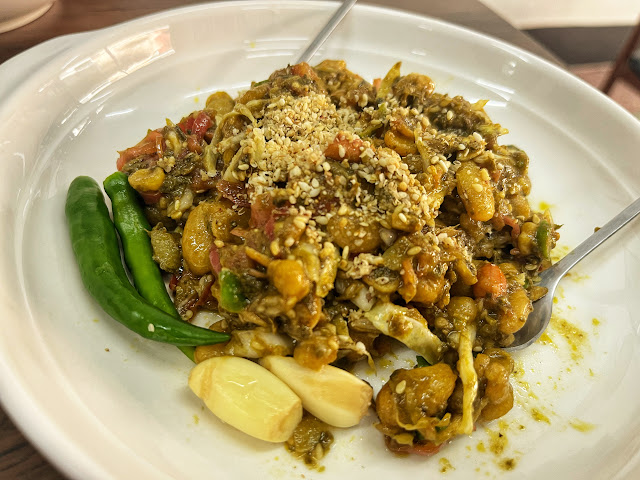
(261,211)
(304,70)
(270,228)
(214,258)
(173,283)
(147,146)
(151,198)
(186,125)
(234,191)
(491,281)
(341,149)
(200,182)
(193,145)
(201,124)
(515,226)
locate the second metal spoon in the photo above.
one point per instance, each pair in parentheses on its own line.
(333,22)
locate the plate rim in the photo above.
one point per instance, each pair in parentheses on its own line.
(22,410)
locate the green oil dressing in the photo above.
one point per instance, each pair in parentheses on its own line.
(445,465)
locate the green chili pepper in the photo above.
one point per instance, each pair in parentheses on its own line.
(95,245)
(543,238)
(132,226)
(231,296)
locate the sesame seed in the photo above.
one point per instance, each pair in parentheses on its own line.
(304,186)
(289,242)
(321,220)
(345,252)
(343,210)
(477,136)
(477,187)
(243,167)
(401,387)
(151,328)
(462,146)
(414,250)
(449,115)
(403,217)
(219,243)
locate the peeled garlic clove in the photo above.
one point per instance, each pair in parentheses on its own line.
(331,394)
(247,397)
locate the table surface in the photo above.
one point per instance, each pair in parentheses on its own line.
(19,460)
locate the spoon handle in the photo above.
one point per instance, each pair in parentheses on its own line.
(586,247)
(326,31)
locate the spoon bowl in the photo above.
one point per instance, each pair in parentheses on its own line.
(539,318)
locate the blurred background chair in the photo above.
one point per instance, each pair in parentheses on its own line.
(627,65)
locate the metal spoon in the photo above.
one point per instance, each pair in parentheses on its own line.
(326,31)
(539,319)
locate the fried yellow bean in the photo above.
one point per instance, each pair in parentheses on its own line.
(527,238)
(513,318)
(147,179)
(220,102)
(462,310)
(401,144)
(197,239)
(289,278)
(476,192)
(349,231)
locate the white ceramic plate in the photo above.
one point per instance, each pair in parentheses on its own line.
(127,412)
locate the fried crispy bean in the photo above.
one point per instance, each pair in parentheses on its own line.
(513,318)
(476,192)
(401,144)
(527,238)
(289,278)
(462,310)
(317,351)
(220,102)
(494,367)
(412,394)
(348,231)
(197,239)
(147,179)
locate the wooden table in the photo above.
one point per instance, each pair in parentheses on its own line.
(18,458)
